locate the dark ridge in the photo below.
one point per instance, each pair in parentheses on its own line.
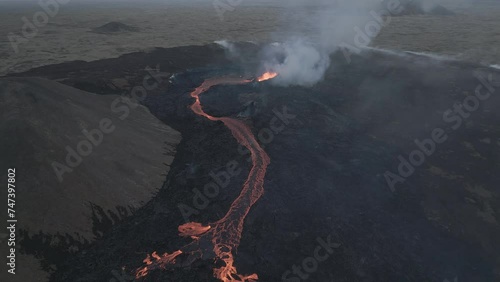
(114,27)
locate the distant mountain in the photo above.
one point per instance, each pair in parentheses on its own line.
(114,27)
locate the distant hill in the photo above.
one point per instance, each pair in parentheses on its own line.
(114,27)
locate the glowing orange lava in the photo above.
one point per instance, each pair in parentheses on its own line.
(267,75)
(223,237)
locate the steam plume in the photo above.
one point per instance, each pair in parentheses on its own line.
(349,25)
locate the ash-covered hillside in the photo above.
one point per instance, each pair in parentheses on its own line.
(84,161)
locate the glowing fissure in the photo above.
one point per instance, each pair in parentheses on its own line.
(267,75)
(222,238)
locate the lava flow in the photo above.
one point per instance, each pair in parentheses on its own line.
(266,76)
(218,240)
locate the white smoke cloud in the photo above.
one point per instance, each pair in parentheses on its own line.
(230,48)
(301,63)
(335,25)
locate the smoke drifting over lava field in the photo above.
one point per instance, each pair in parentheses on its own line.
(332,153)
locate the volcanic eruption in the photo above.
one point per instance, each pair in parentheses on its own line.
(267,75)
(219,239)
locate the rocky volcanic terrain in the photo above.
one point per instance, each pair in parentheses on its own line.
(335,149)
(85,161)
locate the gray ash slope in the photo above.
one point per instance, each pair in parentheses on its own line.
(44,122)
(326,176)
(102,178)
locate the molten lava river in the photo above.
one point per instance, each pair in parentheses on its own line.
(222,238)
